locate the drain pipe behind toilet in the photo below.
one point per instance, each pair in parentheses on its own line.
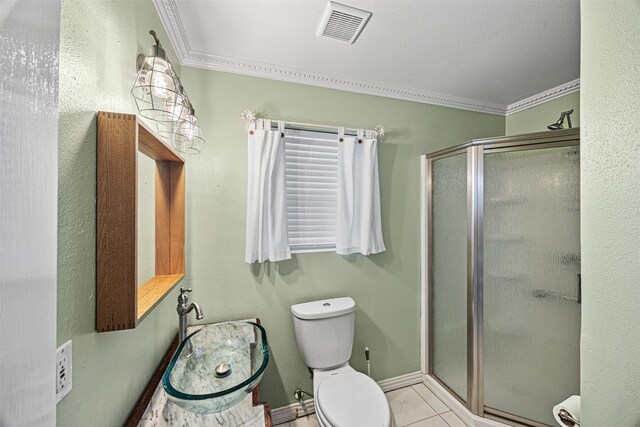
(366,358)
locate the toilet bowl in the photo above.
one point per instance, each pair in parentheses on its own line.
(343,397)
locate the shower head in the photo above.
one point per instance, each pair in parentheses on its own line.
(559,124)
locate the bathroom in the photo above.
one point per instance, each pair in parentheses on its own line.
(48,243)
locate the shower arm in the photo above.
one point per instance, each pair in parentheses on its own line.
(558,124)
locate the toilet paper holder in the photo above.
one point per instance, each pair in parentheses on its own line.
(566,416)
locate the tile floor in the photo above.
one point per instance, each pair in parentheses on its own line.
(414,406)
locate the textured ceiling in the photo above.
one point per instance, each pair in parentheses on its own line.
(484,54)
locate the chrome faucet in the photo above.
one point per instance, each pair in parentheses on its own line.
(183,309)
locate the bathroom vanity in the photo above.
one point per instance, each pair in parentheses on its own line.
(155,408)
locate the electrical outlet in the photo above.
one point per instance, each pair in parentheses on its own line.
(63,371)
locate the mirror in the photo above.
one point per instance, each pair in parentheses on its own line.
(146,218)
(139,221)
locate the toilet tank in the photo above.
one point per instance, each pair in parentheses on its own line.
(324,331)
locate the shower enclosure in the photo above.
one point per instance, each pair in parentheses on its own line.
(503,274)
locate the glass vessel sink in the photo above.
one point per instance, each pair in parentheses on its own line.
(216,367)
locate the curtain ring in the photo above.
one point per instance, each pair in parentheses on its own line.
(281,128)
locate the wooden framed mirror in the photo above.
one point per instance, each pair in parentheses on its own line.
(121,301)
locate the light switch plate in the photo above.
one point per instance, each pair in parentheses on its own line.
(63,371)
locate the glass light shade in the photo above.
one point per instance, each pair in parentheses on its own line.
(157,62)
(172,109)
(188,136)
(161,84)
(159,77)
(157,91)
(185,135)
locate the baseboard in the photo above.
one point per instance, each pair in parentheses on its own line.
(296,410)
(291,412)
(458,408)
(401,381)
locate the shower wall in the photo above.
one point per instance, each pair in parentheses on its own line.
(515,282)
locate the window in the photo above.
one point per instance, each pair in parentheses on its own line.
(312,181)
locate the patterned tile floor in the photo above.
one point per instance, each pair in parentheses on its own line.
(414,406)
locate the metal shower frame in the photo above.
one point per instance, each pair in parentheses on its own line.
(475,151)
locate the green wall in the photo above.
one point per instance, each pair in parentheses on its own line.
(610,210)
(386,287)
(99,41)
(110,370)
(536,119)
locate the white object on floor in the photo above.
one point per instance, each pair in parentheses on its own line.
(572,406)
(324,333)
(267,238)
(358,223)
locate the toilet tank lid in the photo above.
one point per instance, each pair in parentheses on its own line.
(324,308)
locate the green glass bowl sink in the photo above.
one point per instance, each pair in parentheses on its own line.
(216,367)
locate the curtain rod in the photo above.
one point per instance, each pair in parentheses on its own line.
(248,116)
(314,128)
(313,125)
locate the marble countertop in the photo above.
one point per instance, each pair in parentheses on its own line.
(161,412)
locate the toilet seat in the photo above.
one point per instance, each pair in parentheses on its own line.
(352,399)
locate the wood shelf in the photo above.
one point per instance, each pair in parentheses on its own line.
(151,292)
(120,303)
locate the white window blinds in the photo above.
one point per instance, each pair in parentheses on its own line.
(311,186)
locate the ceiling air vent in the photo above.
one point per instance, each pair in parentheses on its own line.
(342,22)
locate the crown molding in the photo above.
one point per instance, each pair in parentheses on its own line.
(292,75)
(542,97)
(168,12)
(170,18)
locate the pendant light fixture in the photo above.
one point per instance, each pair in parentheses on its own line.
(160,97)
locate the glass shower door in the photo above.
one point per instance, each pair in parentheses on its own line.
(531,281)
(449,272)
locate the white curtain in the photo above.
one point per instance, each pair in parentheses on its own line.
(267,238)
(358,226)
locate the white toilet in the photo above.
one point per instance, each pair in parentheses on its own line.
(343,397)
